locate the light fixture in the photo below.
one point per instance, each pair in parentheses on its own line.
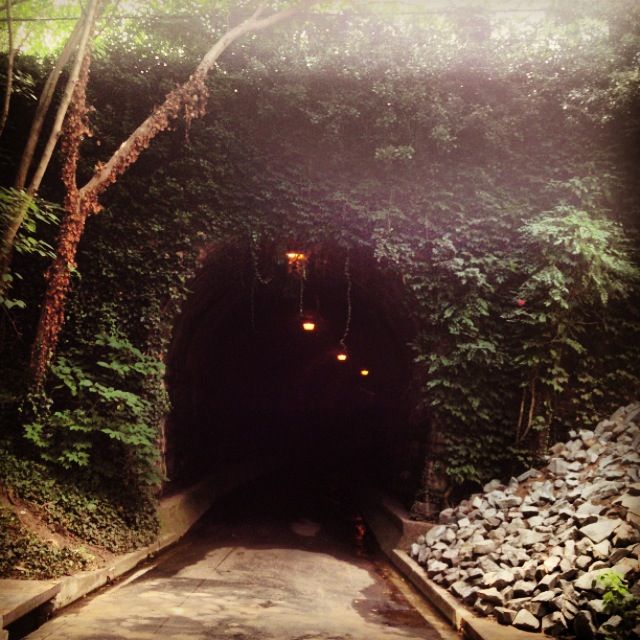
(297,262)
(308,325)
(364,372)
(342,357)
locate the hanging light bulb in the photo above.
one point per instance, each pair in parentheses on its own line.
(308,325)
(342,357)
(296,262)
(364,372)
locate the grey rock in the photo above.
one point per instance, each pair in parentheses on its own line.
(523,588)
(551,564)
(545,596)
(484,548)
(626,566)
(435,533)
(475,573)
(484,608)
(505,615)
(491,595)
(631,500)
(451,556)
(447,516)
(528,538)
(583,626)
(602,489)
(491,486)
(498,579)
(548,582)
(610,625)
(435,566)
(589,581)
(596,606)
(449,536)
(626,535)
(558,466)
(461,589)
(600,530)
(508,502)
(526,621)
(554,624)
(602,550)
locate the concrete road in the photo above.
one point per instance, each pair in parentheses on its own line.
(275,562)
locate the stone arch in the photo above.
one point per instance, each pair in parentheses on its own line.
(245,380)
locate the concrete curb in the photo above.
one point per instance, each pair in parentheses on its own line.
(388,521)
(176,513)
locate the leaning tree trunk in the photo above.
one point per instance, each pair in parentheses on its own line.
(79,38)
(188,100)
(11,54)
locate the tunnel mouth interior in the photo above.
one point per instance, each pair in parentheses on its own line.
(248,382)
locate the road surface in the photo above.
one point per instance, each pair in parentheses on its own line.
(280,560)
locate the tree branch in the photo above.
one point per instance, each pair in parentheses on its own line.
(190,98)
(48,91)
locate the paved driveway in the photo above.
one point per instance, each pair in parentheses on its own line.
(277,562)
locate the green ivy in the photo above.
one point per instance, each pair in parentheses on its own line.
(619,601)
(98,402)
(22,555)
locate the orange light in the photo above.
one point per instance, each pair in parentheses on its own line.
(364,372)
(341,357)
(308,325)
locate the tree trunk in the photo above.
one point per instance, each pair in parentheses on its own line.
(44,102)
(188,100)
(11,54)
(59,273)
(80,36)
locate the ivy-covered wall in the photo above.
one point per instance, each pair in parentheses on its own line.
(493,174)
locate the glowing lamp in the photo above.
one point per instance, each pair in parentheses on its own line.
(341,357)
(307,325)
(364,372)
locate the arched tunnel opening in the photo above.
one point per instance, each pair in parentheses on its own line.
(248,383)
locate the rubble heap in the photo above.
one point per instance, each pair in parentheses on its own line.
(530,552)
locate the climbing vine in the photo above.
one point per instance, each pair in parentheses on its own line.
(499,189)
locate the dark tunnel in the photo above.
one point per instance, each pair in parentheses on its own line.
(247,382)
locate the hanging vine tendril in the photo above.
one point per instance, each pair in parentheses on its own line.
(254,258)
(257,277)
(347,325)
(302,275)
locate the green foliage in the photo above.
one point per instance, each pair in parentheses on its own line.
(22,555)
(97,402)
(29,240)
(103,512)
(619,601)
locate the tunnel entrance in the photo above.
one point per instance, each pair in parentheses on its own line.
(248,382)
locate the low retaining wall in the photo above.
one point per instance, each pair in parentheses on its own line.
(394,532)
(176,513)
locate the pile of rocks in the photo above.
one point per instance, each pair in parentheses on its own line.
(530,552)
